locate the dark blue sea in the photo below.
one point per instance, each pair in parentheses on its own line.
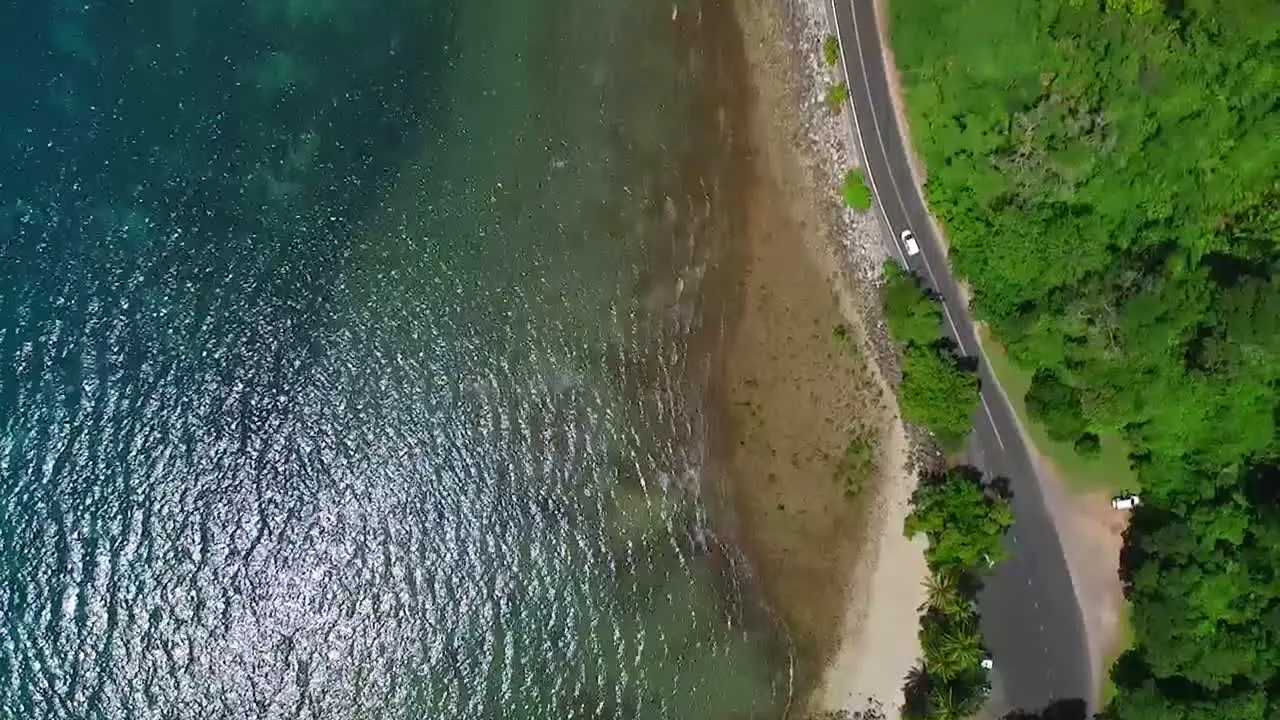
(354,362)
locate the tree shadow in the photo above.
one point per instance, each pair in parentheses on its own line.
(1073,709)
(1001,487)
(1262,486)
(1144,521)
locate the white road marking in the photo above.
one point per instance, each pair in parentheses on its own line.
(884,152)
(857,128)
(994,429)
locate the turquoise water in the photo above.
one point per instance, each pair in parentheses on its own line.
(354,360)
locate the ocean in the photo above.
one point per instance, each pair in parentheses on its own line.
(354,362)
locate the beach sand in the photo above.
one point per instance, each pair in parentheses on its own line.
(834,566)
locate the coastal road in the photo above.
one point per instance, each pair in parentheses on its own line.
(1030,618)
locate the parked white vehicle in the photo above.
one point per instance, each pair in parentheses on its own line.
(987,663)
(909,241)
(1127,501)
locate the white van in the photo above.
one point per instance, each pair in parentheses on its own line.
(1127,501)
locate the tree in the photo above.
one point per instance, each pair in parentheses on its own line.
(1088,445)
(913,318)
(950,701)
(1110,183)
(952,644)
(965,524)
(1056,405)
(939,394)
(946,593)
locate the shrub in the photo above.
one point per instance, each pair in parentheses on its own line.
(830,50)
(837,96)
(1088,445)
(854,191)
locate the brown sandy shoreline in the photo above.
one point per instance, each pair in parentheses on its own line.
(835,568)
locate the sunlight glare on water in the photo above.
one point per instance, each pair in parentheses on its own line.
(354,361)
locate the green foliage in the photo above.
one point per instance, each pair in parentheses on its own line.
(939,393)
(962,519)
(854,190)
(913,318)
(830,50)
(965,525)
(1110,181)
(1056,405)
(952,683)
(837,96)
(947,593)
(1088,445)
(952,644)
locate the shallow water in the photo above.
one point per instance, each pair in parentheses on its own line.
(353,362)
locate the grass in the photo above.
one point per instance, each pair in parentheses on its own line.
(1109,471)
(830,50)
(854,191)
(837,96)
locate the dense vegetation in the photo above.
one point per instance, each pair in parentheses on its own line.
(1109,177)
(913,318)
(937,390)
(964,522)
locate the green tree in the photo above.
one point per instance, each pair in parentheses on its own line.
(965,523)
(1110,183)
(949,701)
(913,318)
(1056,405)
(939,394)
(1087,445)
(952,644)
(946,593)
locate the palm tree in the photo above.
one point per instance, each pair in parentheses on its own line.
(946,593)
(952,644)
(951,701)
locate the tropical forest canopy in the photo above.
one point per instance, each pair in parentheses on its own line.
(1109,177)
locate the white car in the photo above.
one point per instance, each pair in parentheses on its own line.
(909,240)
(1127,501)
(987,663)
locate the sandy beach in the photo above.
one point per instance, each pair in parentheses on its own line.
(826,542)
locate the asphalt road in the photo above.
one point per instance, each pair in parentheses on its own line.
(1030,618)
